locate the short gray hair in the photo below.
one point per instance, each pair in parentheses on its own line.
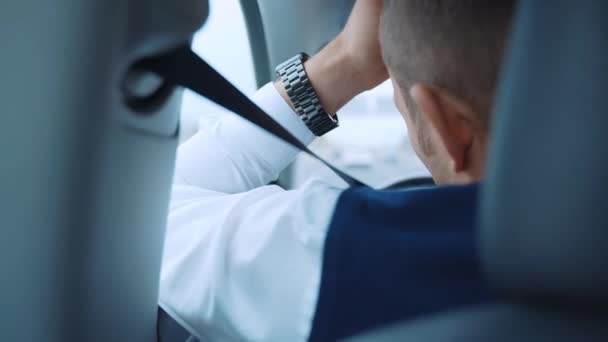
(456,45)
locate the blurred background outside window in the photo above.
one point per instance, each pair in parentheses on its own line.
(224,44)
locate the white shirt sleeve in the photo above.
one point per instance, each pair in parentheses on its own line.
(242,260)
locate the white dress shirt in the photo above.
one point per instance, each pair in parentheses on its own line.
(242,259)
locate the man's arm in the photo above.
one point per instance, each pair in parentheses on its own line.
(242,259)
(235,156)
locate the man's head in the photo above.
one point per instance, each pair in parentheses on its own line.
(444,57)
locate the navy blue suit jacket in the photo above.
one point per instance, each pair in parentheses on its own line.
(395,255)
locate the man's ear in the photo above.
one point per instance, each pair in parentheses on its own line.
(452,119)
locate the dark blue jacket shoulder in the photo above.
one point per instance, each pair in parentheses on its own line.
(395,255)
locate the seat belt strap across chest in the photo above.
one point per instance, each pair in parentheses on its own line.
(185,68)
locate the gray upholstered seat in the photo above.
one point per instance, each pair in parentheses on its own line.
(84,180)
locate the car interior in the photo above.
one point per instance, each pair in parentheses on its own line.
(88,142)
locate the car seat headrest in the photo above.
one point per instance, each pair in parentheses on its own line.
(544,213)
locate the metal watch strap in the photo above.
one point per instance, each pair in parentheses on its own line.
(303,97)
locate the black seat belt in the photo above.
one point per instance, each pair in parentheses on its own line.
(185,68)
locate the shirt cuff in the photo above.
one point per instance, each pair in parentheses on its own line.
(276,153)
(269,99)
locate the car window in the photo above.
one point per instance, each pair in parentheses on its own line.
(371,143)
(224,44)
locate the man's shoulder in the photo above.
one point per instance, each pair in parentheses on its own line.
(323,204)
(428,206)
(395,255)
(413,197)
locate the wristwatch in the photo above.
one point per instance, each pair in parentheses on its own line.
(303,97)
